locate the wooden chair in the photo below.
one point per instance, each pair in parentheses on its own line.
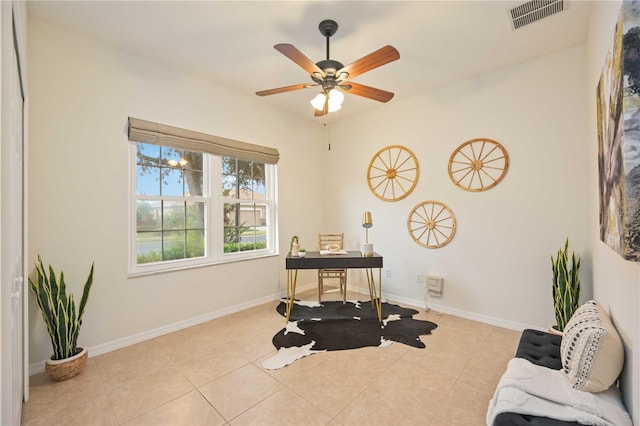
(324,241)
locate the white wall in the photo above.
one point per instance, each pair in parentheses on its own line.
(497,267)
(82,93)
(616,281)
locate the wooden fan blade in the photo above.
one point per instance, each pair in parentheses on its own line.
(369,92)
(380,57)
(299,58)
(284,89)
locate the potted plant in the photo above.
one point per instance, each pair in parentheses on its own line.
(302,252)
(63,324)
(566,286)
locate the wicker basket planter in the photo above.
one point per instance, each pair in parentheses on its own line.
(554,330)
(67,368)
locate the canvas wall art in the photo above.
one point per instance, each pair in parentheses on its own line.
(618,121)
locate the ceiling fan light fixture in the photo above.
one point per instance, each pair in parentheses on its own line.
(336,96)
(318,101)
(335,100)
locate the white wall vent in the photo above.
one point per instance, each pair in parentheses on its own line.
(534,10)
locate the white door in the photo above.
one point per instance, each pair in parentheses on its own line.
(12,243)
(16,232)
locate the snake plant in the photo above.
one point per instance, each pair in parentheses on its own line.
(59,309)
(566,285)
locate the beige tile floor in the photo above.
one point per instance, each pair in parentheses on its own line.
(211,374)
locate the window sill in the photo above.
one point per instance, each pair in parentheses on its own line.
(184,267)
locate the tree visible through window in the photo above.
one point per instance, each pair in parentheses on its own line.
(245,208)
(170,204)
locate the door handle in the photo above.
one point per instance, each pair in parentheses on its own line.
(17,285)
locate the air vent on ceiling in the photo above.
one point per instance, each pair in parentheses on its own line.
(534,10)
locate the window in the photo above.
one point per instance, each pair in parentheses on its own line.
(171,203)
(198,199)
(193,208)
(245,205)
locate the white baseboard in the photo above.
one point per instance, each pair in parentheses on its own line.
(38,367)
(421,304)
(498,322)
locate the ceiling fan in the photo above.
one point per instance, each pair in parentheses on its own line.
(332,76)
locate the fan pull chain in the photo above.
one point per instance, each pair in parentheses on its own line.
(328,132)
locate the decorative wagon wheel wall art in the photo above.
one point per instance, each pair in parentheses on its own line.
(431,224)
(393,173)
(478,165)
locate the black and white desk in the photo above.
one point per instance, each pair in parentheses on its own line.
(353,259)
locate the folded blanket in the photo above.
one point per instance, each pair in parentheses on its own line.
(325,252)
(530,389)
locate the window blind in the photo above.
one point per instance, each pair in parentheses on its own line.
(161,134)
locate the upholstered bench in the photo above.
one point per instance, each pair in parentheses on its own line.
(542,349)
(564,380)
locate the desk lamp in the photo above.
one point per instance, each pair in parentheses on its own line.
(367,222)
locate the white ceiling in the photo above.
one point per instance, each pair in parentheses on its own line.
(231,42)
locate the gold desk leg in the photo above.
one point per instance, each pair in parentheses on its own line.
(292,278)
(375,300)
(372,288)
(380,294)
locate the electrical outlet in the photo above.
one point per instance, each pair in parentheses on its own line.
(419,277)
(388,273)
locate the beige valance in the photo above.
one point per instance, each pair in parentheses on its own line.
(161,134)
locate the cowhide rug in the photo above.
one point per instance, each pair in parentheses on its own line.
(334,326)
